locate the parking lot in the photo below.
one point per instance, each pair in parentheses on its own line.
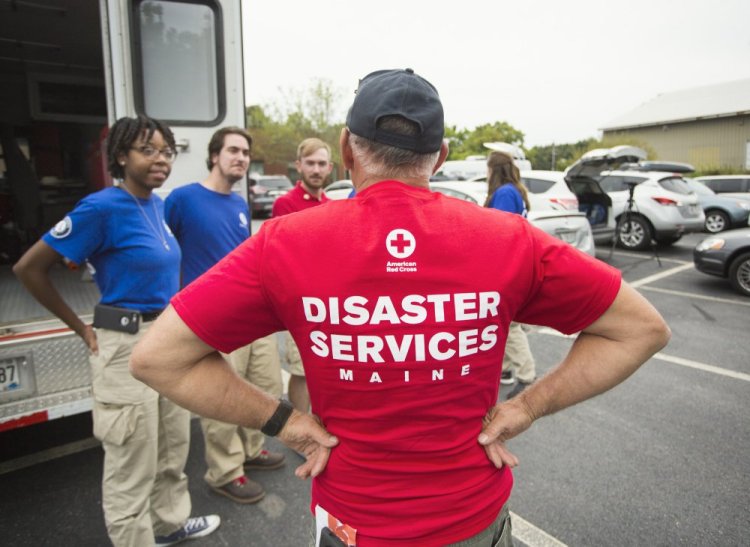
(661,460)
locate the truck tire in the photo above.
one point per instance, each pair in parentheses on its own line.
(739,274)
(634,233)
(716,221)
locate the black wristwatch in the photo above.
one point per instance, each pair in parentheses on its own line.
(277,422)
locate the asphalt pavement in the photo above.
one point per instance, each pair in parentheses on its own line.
(659,460)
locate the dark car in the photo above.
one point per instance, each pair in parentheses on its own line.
(726,255)
(265,191)
(722,212)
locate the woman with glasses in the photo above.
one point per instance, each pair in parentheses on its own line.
(120,233)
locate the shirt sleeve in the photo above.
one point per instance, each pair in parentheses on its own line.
(80,234)
(571,289)
(228,307)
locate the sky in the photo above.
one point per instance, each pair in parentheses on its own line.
(555,70)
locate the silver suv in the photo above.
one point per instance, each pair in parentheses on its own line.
(664,206)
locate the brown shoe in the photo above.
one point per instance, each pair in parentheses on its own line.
(241,490)
(265,460)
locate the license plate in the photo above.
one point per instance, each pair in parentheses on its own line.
(10,379)
(693,210)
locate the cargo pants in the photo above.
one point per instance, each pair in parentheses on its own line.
(228,445)
(518,356)
(146,439)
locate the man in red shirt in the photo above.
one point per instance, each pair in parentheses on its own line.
(400,301)
(314,165)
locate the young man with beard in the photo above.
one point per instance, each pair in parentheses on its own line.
(209,221)
(314,165)
(400,300)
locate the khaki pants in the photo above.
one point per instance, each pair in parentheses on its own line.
(293,358)
(228,445)
(518,355)
(146,439)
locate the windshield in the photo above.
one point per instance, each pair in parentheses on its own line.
(677,185)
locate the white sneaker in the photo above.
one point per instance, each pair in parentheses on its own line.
(195,527)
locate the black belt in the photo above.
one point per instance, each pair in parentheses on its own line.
(150,316)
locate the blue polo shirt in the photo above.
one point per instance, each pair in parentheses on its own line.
(124,245)
(207,224)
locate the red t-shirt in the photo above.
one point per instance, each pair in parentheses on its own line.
(295,200)
(399,301)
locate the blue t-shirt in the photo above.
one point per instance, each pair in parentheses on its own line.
(508,198)
(130,262)
(207,224)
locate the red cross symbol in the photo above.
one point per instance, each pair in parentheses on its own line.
(400,243)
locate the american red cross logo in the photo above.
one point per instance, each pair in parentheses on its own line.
(400,243)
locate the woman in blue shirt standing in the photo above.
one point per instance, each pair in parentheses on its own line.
(507,193)
(120,233)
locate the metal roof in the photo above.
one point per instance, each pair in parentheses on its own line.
(711,101)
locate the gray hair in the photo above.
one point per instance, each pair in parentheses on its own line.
(388,161)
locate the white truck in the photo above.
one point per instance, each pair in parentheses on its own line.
(68,70)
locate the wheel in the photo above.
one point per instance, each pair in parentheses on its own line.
(634,233)
(716,221)
(739,274)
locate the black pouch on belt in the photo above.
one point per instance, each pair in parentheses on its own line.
(114,318)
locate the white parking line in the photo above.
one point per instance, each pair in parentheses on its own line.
(532,536)
(703,366)
(669,359)
(698,296)
(661,275)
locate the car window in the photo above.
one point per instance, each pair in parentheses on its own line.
(616,183)
(726,185)
(677,185)
(454,194)
(700,188)
(613,184)
(537,186)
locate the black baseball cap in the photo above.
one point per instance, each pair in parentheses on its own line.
(398,93)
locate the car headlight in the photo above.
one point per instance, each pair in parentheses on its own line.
(712,243)
(744,204)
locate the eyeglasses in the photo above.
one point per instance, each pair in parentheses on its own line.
(152,153)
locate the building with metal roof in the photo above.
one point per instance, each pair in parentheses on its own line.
(708,126)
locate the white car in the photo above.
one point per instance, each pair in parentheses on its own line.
(339,189)
(664,207)
(549,191)
(569,226)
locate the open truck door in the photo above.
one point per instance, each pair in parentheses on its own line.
(179,62)
(68,70)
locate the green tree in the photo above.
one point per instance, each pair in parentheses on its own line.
(465,142)
(278,128)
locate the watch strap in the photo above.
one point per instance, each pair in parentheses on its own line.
(276,423)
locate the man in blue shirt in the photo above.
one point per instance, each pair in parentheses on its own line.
(209,221)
